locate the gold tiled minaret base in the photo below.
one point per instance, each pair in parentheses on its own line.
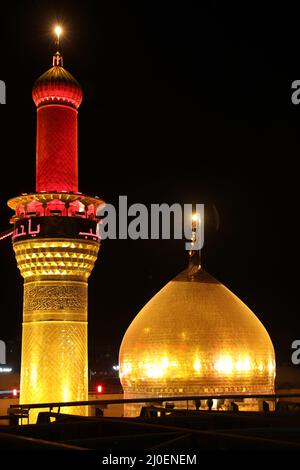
(54,363)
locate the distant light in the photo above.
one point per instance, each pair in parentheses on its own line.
(15,392)
(116,367)
(58,31)
(5,369)
(99,388)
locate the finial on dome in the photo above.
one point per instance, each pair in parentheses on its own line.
(194,254)
(57,58)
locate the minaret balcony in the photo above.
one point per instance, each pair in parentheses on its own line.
(55,204)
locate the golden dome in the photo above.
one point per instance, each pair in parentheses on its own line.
(195,337)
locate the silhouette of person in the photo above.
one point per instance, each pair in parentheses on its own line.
(209,403)
(197,404)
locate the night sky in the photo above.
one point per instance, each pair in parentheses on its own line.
(181,104)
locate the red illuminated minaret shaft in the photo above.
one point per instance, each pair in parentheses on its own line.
(57,96)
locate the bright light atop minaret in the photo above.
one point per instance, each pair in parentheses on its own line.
(58,31)
(196,220)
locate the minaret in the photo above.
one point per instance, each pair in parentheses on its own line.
(56,245)
(194,254)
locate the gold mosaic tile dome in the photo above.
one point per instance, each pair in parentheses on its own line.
(196,337)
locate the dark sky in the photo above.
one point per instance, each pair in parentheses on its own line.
(181,104)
